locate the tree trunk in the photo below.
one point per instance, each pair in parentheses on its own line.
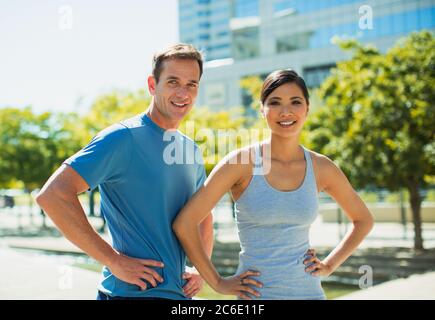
(92,203)
(415,201)
(44,223)
(29,193)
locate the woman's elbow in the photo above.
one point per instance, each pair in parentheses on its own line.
(370,223)
(177,226)
(367,223)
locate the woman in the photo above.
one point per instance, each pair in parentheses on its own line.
(275,186)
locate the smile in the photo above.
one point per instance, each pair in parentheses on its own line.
(286,124)
(179,105)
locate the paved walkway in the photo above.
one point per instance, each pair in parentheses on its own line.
(27,277)
(321,234)
(36,278)
(416,287)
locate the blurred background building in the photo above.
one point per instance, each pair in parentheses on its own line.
(254,37)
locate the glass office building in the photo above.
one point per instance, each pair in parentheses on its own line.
(254,37)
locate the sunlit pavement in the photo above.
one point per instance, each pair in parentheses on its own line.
(321,234)
(416,287)
(27,276)
(30,277)
(37,277)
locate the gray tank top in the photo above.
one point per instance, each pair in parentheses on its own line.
(273,228)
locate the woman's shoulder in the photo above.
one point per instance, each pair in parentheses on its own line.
(242,156)
(320,160)
(238,162)
(323,165)
(325,169)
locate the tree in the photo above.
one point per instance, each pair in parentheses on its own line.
(379,118)
(28,155)
(33,146)
(111,108)
(253,84)
(216,133)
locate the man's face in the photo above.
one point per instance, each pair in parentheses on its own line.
(177,89)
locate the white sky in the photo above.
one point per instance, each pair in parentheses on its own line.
(46,64)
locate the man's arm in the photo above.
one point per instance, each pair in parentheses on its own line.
(59,199)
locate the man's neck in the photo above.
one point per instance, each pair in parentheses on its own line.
(154,114)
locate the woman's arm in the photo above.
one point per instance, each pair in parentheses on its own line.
(333,181)
(186,226)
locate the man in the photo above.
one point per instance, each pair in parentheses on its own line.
(141,193)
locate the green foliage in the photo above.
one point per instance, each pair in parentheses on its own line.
(379,118)
(252,85)
(216,133)
(28,154)
(111,108)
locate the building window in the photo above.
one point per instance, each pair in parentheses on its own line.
(314,76)
(388,25)
(246,8)
(293,42)
(246,43)
(203,13)
(204,25)
(223,34)
(204,37)
(215,94)
(305,6)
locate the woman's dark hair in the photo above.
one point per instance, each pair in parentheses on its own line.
(280,77)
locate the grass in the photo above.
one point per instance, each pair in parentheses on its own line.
(96,267)
(335,290)
(208,293)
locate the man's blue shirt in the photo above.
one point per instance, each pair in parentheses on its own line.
(142,190)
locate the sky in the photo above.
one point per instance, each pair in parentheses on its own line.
(59,55)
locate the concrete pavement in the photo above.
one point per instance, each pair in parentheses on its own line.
(416,287)
(27,277)
(36,278)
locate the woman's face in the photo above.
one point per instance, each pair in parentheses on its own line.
(285,110)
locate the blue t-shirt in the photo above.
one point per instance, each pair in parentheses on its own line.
(145,176)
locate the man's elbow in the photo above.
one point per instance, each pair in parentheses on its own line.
(47,197)
(42,198)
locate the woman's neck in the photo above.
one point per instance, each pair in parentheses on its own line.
(285,149)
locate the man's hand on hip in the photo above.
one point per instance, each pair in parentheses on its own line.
(134,271)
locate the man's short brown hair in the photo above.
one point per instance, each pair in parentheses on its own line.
(177,51)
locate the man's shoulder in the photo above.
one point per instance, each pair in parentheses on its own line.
(121,130)
(187,139)
(116,131)
(133,122)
